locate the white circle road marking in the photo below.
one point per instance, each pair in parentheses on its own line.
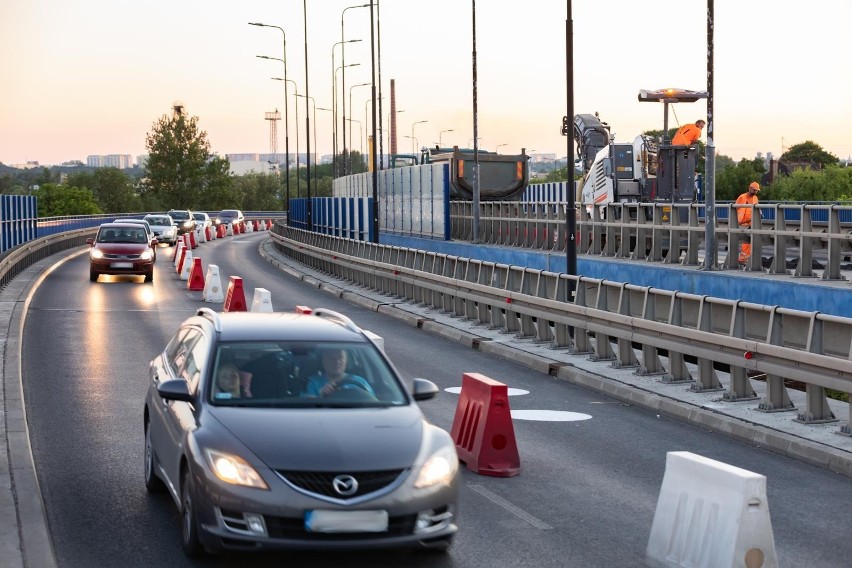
(549,415)
(511,392)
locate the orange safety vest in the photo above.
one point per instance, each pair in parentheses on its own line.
(686,135)
(744,213)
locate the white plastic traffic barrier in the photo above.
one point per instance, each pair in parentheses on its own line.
(262,301)
(200,237)
(248,227)
(187,265)
(377,339)
(213,233)
(229,229)
(710,514)
(213,286)
(178,250)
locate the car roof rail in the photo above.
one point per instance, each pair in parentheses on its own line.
(212,315)
(338,317)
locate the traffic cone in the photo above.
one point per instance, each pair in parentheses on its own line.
(186,265)
(182,258)
(196,276)
(235,299)
(482,427)
(262,300)
(178,253)
(213,286)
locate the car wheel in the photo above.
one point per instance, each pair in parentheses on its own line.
(152,483)
(173,243)
(189,529)
(149,277)
(93,276)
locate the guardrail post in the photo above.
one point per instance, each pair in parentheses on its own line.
(740,388)
(805,266)
(779,257)
(694,237)
(644,220)
(707,381)
(603,345)
(777,399)
(582,344)
(625,357)
(658,234)
(675,235)
(836,238)
(678,373)
(817,410)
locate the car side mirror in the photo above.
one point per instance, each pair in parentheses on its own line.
(154,242)
(424,390)
(175,389)
(90,241)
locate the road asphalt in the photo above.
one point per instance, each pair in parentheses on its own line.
(24,536)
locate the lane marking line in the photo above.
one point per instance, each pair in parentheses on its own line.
(515,510)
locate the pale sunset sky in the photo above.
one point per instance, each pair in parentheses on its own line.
(84,77)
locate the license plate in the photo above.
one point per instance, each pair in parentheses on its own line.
(323,521)
(121,265)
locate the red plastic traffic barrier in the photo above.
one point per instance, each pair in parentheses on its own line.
(304,310)
(220,231)
(482,427)
(192,243)
(182,258)
(268,224)
(235,299)
(255,225)
(196,276)
(207,233)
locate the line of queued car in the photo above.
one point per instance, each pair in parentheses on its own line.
(128,246)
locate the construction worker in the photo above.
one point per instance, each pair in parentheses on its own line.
(748,200)
(688,134)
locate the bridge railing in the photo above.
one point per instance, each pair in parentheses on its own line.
(654,331)
(643,231)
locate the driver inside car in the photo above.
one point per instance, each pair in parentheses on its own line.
(333,376)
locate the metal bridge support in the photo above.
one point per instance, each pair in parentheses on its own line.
(740,388)
(651,363)
(816,408)
(678,373)
(777,399)
(707,381)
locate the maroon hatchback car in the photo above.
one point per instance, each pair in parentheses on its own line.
(121,248)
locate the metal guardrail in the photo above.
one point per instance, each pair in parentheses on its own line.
(18,259)
(632,326)
(644,230)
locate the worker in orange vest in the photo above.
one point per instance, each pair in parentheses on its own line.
(688,134)
(748,200)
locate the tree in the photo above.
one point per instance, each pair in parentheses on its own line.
(55,200)
(809,152)
(732,181)
(177,172)
(112,189)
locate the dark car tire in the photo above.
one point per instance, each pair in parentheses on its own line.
(173,243)
(190,542)
(93,276)
(149,277)
(152,483)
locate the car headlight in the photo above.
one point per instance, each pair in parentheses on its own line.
(96,253)
(234,470)
(187,223)
(147,255)
(440,468)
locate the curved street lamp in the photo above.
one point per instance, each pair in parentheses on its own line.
(343,137)
(286,115)
(414,151)
(296,91)
(440,142)
(343,75)
(334,104)
(350,130)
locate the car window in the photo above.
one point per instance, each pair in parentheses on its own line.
(286,374)
(178,352)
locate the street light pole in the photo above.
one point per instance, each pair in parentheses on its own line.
(414,150)
(334,105)
(440,140)
(286,115)
(296,91)
(307,120)
(497,149)
(350,130)
(313,102)
(343,137)
(343,76)
(360,136)
(414,143)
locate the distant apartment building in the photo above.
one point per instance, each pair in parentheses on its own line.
(27,166)
(120,161)
(251,157)
(141,160)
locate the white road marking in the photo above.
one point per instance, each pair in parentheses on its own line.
(511,391)
(549,415)
(514,509)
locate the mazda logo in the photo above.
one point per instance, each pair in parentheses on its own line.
(345,485)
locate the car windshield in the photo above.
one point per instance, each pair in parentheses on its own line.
(198,216)
(179,215)
(123,235)
(158,220)
(228,214)
(293,375)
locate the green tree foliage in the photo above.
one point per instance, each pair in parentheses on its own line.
(831,184)
(809,152)
(112,189)
(732,181)
(258,192)
(181,169)
(55,200)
